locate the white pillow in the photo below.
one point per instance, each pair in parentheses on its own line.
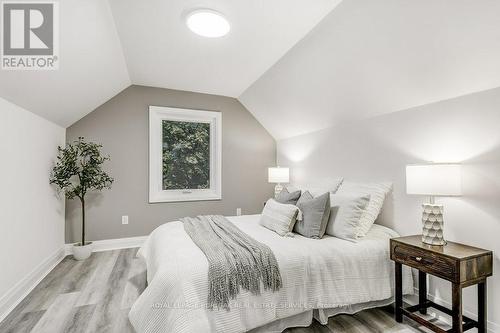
(317,188)
(377,192)
(279,217)
(345,215)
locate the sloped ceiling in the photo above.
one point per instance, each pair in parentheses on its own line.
(363,59)
(106,46)
(162,52)
(92,67)
(368,58)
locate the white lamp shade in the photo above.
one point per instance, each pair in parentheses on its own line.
(434,179)
(278,175)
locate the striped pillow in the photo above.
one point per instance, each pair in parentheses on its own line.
(345,215)
(377,192)
(278,217)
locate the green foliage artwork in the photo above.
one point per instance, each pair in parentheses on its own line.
(78,170)
(186,155)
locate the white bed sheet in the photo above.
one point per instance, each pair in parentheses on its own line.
(317,274)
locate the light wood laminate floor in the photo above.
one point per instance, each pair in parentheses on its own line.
(95,295)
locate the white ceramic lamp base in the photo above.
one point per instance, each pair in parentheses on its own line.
(277,189)
(432,224)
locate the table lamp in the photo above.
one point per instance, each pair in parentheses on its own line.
(433,180)
(278,175)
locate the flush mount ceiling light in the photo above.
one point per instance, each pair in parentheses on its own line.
(208,23)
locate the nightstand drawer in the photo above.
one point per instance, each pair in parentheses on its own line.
(460,264)
(425,261)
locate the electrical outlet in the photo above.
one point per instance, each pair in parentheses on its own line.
(125,219)
(238,211)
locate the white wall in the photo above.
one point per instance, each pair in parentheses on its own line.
(464,129)
(367,58)
(31,216)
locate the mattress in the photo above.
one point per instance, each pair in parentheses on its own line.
(325,273)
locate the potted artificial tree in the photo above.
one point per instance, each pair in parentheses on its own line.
(78,170)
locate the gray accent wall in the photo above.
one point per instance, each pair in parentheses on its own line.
(121,126)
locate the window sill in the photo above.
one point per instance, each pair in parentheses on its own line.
(184,199)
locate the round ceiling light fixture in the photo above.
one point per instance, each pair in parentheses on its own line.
(207,23)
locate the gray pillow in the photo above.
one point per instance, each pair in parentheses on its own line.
(288,198)
(315,213)
(345,215)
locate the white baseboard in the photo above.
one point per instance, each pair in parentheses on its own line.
(22,288)
(492,326)
(17,293)
(112,244)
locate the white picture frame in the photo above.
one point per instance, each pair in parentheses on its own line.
(157,114)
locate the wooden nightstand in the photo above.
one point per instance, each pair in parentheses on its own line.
(460,264)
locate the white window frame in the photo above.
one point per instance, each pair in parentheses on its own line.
(156,116)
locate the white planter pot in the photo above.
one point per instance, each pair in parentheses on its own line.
(82,252)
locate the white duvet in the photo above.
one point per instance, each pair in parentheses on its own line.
(316,274)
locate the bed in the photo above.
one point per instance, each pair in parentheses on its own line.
(321,278)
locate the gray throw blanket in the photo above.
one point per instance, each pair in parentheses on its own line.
(235,259)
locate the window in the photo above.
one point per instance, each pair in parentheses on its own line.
(184,154)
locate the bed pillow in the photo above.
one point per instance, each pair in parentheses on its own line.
(318,187)
(285,197)
(279,217)
(377,192)
(314,215)
(345,215)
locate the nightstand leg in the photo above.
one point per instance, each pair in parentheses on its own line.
(481,307)
(456,309)
(399,292)
(422,291)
